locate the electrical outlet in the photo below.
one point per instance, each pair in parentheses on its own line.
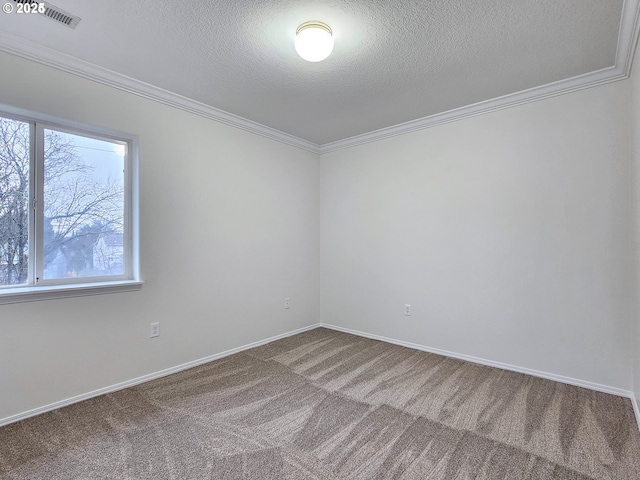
(287,303)
(407,309)
(155,329)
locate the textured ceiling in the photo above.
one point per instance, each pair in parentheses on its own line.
(393,61)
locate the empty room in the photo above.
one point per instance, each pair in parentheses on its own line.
(320,239)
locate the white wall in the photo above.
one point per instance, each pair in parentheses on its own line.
(634,116)
(508,233)
(229,228)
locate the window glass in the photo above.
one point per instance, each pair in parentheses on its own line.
(15,157)
(83,225)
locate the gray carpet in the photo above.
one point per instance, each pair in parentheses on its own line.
(329,405)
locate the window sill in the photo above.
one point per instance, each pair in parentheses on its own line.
(35,294)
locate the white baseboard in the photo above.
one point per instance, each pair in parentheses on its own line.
(145,378)
(636,408)
(415,346)
(505,366)
(490,363)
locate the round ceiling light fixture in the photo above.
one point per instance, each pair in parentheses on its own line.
(314,41)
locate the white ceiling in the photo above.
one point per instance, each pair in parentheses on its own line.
(394,61)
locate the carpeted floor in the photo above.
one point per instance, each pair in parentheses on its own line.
(329,405)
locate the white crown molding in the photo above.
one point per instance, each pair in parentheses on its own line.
(627,40)
(628,35)
(47,56)
(507,101)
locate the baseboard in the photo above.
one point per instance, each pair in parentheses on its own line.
(415,346)
(146,378)
(636,408)
(490,363)
(505,366)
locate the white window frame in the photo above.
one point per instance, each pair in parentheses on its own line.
(37,287)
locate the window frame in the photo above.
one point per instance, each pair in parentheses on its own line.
(37,287)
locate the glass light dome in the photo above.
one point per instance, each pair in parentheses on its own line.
(314,41)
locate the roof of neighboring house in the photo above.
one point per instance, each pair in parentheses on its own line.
(113,239)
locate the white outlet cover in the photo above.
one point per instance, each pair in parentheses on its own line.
(155,329)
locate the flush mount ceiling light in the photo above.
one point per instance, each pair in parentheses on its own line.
(314,41)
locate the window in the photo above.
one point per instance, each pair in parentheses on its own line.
(67,218)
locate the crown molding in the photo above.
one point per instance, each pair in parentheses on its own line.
(592,79)
(47,56)
(627,40)
(628,36)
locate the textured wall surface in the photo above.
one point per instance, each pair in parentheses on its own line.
(508,233)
